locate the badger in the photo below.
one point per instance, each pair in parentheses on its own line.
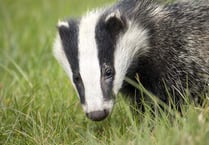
(165,45)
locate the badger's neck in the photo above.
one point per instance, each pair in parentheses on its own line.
(132,44)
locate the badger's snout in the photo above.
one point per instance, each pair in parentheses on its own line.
(98,111)
(98,115)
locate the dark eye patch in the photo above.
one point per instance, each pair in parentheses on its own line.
(79,86)
(106,43)
(69,38)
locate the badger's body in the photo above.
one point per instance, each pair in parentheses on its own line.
(167,46)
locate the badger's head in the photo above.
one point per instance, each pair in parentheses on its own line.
(96,52)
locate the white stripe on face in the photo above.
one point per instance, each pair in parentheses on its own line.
(89,64)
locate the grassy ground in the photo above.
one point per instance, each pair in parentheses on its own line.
(37,102)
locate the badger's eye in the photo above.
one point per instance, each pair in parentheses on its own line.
(108,73)
(76,78)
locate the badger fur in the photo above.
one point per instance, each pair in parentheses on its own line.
(167,46)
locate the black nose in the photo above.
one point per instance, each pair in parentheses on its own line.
(97,115)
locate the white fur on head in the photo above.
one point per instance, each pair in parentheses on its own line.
(89,64)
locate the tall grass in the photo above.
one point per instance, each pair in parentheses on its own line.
(38,104)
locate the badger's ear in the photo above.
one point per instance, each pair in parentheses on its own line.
(63,29)
(115,22)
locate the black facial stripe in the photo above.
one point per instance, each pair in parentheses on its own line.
(105,44)
(106,47)
(69,38)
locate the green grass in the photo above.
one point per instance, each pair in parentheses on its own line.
(38,104)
